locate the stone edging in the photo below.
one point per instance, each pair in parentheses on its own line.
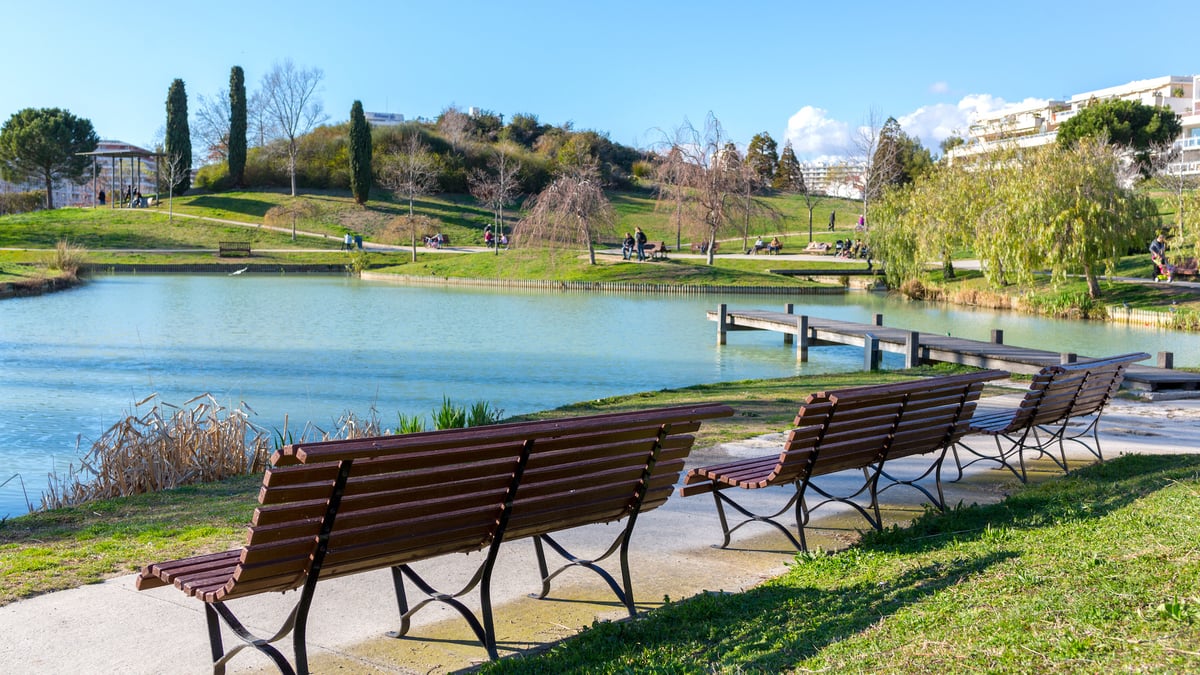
(599,286)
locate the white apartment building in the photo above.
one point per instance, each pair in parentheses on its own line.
(836,179)
(1037,124)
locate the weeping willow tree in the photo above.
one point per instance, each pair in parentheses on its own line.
(1066,210)
(572,211)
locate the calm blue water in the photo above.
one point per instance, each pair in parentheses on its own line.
(312,348)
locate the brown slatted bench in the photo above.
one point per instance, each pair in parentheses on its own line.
(851,429)
(1057,394)
(336,508)
(240,249)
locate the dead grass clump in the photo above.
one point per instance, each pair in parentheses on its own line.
(167,447)
(982,298)
(68,259)
(914,289)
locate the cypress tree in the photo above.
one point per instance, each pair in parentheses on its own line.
(237,126)
(179,138)
(360,154)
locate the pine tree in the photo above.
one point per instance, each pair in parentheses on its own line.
(761,156)
(788,176)
(360,154)
(179,138)
(237,126)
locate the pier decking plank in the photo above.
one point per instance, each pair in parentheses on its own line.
(935,347)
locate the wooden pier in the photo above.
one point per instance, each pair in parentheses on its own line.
(920,347)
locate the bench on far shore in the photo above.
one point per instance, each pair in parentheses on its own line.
(656,250)
(239,249)
(859,429)
(335,508)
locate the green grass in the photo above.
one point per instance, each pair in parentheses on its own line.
(1094,572)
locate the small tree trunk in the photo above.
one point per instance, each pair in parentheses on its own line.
(49,193)
(810,225)
(1093,283)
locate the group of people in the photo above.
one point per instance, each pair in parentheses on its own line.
(349,242)
(852,249)
(1163,270)
(489,238)
(774,247)
(634,243)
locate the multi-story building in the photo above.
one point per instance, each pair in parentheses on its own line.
(836,179)
(1037,124)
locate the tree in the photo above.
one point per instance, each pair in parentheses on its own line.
(788,174)
(360,154)
(411,172)
(762,156)
(1132,125)
(237,126)
(210,133)
(697,166)
(573,210)
(874,154)
(44,144)
(178,140)
(497,187)
(523,129)
(291,106)
(1167,174)
(455,126)
(171,168)
(290,212)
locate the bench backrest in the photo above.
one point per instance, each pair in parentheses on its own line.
(858,427)
(1060,392)
(414,496)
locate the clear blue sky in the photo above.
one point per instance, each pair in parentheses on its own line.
(806,71)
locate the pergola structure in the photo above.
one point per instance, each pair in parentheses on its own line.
(136,157)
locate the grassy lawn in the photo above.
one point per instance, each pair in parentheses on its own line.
(60,549)
(1095,572)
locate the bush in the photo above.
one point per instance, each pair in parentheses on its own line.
(68,258)
(22,202)
(214,177)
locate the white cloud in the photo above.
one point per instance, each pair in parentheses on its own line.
(814,135)
(939,88)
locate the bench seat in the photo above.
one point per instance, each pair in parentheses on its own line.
(1056,395)
(858,429)
(335,508)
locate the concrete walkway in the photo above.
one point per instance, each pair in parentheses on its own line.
(110,627)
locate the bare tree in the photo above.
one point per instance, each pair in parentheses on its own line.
(456,126)
(750,186)
(573,210)
(496,187)
(169,169)
(667,171)
(291,106)
(290,212)
(210,126)
(1167,167)
(812,199)
(261,129)
(412,172)
(699,167)
(876,160)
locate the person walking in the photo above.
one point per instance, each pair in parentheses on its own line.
(640,238)
(832,217)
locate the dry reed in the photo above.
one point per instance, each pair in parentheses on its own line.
(163,449)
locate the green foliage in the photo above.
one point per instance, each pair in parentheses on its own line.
(482,413)
(788,176)
(360,154)
(449,415)
(410,424)
(523,129)
(1130,124)
(44,144)
(237,126)
(215,177)
(900,158)
(178,141)
(762,155)
(21,202)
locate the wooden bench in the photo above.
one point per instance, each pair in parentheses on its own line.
(239,249)
(702,249)
(817,247)
(336,508)
(1056,395)
(1186,267)
(859,429)
(656,251)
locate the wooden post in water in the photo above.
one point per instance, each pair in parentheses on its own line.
(787,337)
(878,319)
(1067,357)
(721,324)
(997,336)
(870,353)
(1166,360)
(912,349)
(802,331)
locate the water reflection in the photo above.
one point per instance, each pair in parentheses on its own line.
(72,363)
